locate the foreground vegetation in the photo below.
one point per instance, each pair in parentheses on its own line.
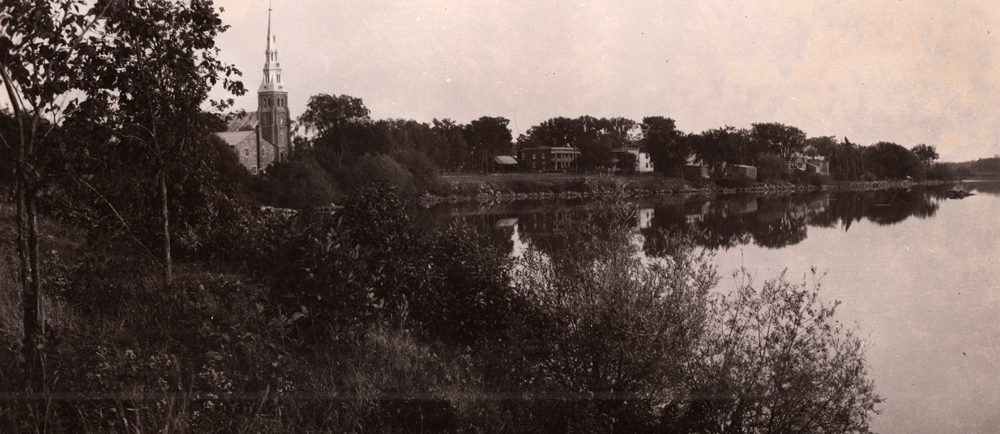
(357,321)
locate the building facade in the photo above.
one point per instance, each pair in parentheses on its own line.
(255,152)
(810,164)
(272,100)
(263,137)
(643,161)
(547,158)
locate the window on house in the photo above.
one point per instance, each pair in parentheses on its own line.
(246,152)
(253,170)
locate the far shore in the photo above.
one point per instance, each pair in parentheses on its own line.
(540,186)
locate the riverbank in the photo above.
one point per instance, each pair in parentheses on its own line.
(525,186)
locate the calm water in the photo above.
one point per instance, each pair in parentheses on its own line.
(918,273)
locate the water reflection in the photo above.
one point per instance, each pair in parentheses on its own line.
(924,290)
(770,221)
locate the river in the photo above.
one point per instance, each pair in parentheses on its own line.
(916,272)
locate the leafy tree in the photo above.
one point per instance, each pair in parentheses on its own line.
(621,128)
(155,69)
(823,146)
(332,118)
(626,161)
(770,166)
(454,150)
(596,138)
(784,140)
(667,147)
(555,132)
(326,113)
(887,160)
(488,137)
(927,154)
(724,145)
(847,161)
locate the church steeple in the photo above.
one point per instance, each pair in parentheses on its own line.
(272,101)
(272,69)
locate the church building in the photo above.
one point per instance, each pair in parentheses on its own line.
(263,137)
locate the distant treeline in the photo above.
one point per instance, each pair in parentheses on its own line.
(339,148)
(980,167)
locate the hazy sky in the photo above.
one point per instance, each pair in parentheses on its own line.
(905,71)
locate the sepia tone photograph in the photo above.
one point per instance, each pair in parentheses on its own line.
(499,216)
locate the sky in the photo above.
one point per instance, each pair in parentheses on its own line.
(904,71)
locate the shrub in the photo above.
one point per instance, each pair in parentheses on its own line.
(381,168)
(423,171)
(369,264)
(771,167)
(299,183)
(610,334)
(776,360)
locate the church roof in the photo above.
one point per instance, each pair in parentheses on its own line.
(246,121)
(237,139)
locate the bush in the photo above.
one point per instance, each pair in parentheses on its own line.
(422,170)
(370,264)
(771,167)
(299,183)
(610,333)
(776,360)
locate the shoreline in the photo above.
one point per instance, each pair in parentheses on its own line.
(619,187)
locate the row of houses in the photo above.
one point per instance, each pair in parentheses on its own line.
(563,159)
(697,169)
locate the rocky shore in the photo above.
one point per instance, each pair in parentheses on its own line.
(623,190)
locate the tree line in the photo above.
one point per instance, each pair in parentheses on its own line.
(339,137)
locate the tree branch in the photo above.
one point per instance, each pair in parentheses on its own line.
(121,220)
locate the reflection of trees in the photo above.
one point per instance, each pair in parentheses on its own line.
(886,207)
(784,231)
(557,234)
(992,187)
(773,221)
(899,205)
(720,231)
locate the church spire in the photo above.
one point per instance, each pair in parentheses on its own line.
(272,69)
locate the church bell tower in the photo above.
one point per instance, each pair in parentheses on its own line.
(272,100)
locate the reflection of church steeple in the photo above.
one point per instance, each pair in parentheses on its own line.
(272,100)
